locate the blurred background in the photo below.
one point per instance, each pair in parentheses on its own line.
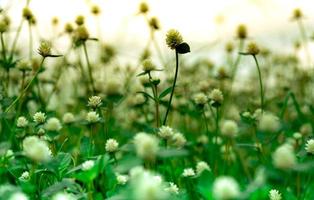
(201,22)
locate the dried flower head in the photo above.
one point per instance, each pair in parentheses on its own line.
(44,49)
(252,48)
(241,31)
(80,20)
(95,10)
(297,14)
(143,8)
(154,23)
(173,38)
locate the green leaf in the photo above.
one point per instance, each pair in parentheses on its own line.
(165,92)
(183,48)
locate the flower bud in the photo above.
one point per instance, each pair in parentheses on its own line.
(173,38)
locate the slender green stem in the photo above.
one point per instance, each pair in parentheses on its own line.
(260,82)
(30,40)
(26,88)
(173,87)
(3,47)
(16,37)
(89,68)
(155,94)
(205,120)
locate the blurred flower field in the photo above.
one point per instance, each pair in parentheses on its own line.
(76,123)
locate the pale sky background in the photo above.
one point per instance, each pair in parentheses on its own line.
(267,20)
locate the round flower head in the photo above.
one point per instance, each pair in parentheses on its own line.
(309,147)
(173,38)
(24,176)
(268,122)
(252,48)
(92,117)
(178,140)
(4,24)
(202,166)
(95,10)
(24,65)
(53,124)
(44,49)
(274,195)
(188,172)
(81,34)
(27,14)
(165,132)
(229,128)
(283,157)
(112,145)
(225,187)
(80,20)
(216,96)
(241,31)
(146,145)
(39,117)
(297,14)
(18,196)
(21,122)
(68,118)
(154,23)
(113,87)
(122,179)
(94,101)
(36,149)
(173,188)
(87,165)
(148,65)
(200,99)
(68,28)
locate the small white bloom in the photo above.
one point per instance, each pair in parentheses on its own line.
(87,165)
(173,188)
(309,146)
(297,135)
(202,166)
(178,140)
(21,122)
(200,98)
(63,196)
(188,172)
(283,157)
(94,101)
(165,132)
(24,176)
(229,128)
(274,195)
(53,124)
(216,96)
(68,118)
(39,117)
(148,65)
(92,117)
(122,179)
(146,145)
(225,187)
(269,122)
(112,145)
(36,149)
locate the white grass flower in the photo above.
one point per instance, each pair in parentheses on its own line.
(229,128)
(24,176)
(216,96)
(111,145)
(200,99)
(92,117)
(274,195)
(225,187)
(148,65)
(172,188)
(36,149)
(21,122)
(284,157)
(202,166)
(309,146)
(188,172)
(53,124)
(178,140)
(165,132)
(68,118)
(122,179)
(269,122)
(87,165)
(146,145)
(39,117)
(94,101)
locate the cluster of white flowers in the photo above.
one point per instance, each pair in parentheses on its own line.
(268,122)
(36,149)
(122,179)
(216,96)
(188,172)
(200,99)
(94,101)
(53,124)
(172,188)
(202,166)
(165,132)
(112,145)
(309,146)
(68,118)
(178,140)
(225,188)
(24,176)
(146,145)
